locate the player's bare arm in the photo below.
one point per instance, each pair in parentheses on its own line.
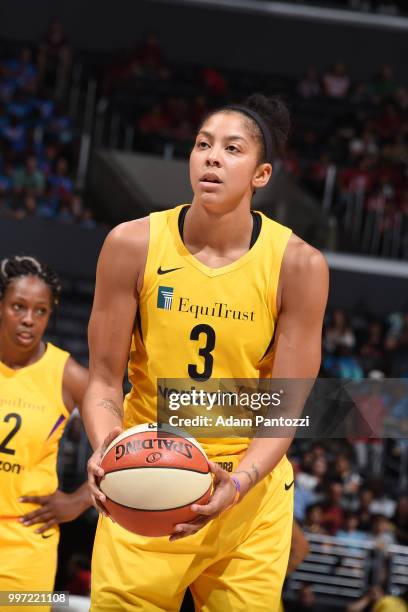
(74,384)
(302,299)
(60,507)
(119,278)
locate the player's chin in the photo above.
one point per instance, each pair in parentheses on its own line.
(26,341)
(212,199)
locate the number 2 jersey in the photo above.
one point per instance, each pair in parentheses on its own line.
(32,420)
(198,323)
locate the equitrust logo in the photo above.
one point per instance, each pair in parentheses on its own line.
(165,298)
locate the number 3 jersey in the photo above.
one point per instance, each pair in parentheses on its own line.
(198,323)
(32,420)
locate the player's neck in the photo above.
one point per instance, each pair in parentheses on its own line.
(15,359)
(220,233)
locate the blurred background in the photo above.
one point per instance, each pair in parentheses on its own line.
(99,103)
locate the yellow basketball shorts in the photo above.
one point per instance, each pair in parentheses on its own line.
(236,562)
(28,560)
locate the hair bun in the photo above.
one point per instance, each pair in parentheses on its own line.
(276,114)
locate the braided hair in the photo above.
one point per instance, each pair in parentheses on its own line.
(18,266)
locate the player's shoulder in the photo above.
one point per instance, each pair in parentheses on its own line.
(130,236)
(301,259)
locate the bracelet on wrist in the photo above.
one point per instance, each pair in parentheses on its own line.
(237,485)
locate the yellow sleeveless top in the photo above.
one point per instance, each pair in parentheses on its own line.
(199,323)
(32,420)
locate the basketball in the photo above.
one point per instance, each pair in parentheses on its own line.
(152,476)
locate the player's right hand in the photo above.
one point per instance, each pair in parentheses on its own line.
(95,472)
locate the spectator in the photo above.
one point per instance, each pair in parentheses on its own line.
(214,82)
(48,162)
(313,480)
(400,520)
(372,408)
(350,479)
(371,351)
(364,145)
(199,110)
(383,84)
(14,134)
(309,86)
(336,81)
(30,206)
(314,520)
(149,58)
(88,222)
(332,510)
(22,70)
(56,49)
(6,178)
(304,497)
(29,177)
(338,332)
(59,126)
(382,532)
(350,531)
(61,181)
(389,121)
(154,122)
(381,504)
(365,500)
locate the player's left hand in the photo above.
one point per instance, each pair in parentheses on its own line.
(55,508)
(221,499)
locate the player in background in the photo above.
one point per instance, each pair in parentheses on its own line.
(39,386)
(205,291)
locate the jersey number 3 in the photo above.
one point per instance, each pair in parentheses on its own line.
(3,444)
(204,352)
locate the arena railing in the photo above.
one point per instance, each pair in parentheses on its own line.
(398,569)
(366,231)
(341,570)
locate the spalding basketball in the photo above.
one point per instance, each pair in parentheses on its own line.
(152,476)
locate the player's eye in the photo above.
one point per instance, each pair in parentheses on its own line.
(41,311)
(17,307)
(202,144)
(232,148)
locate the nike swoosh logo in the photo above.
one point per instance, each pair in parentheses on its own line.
(160,271)
(287,486)
(45,537)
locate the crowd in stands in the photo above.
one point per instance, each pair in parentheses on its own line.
(362,345)
(357,489)
(38,148)
(358,126)
(366,138)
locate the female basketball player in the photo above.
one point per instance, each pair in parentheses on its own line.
(39,386)
(261,294)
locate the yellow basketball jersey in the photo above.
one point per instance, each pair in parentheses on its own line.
(201,323)
(32,419)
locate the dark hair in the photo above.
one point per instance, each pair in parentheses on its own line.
(18,266)
(274,113)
